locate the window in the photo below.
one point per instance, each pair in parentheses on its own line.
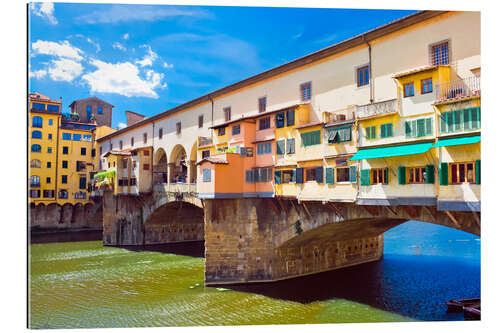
(83,183)
(80,195)
(64,164)
(200,121)
(439,54)
(34,193)
(280,120)
(339,134)
(343,174)
(64,179)
(454,121)
(310,174)
(290,146)
(63,194)
(206,175)
(124,163)
(235,130)
(35,164)
(264,123)
(222,131)
(227,113)
(145,166)
(83,151)
(408,89)
(249,176)
(132,141)
(288,176)
(50,122)
(49,136)
(66,136)
(290,117)
(87,137)
(133,181)
(264,148)
(416,175)
(363,75)
(49,150)
(36,148)
(49,165)
(38,106)
(99,110)
(92,152)
(178,127)
(205,153)
(36,135)
(35,181)
(37,122)
(379,176)
(386,130)
(311,138)
(48,193)
(145,138)
(418,127)
(305,91)
(54,108)
(280,147)
(262,104)
(146,153)
(426,86)
(461,173)
(262,175)
(121,144)
(47,180)
(160,133)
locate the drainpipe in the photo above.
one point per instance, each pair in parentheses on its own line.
(212,101)
(369,66)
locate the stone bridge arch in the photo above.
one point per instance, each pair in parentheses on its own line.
(160,167)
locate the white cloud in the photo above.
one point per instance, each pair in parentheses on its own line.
(167,65)
(149,58)
(39,74)
(124,13)
(124,79)
(44,10)
(119,46)
(126,36)
(63,49)
(97,46)
(121,125)
(64,70)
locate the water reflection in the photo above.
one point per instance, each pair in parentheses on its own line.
(194,249)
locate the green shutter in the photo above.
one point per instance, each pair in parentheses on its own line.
(444,124)
(353,174)
(408,128)
(443,174)
(457,120)
(386,172)
(365,177)
(329,176)
(475,124)
(280,147)
(383,131)
(478,171)
(413,128)
(428,126)
(429,174)
(421,127)
(402,175)
(467,119)
(389,130)
(449,121)
(277,177)
(299,175)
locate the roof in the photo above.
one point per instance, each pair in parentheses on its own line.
(417,70)
(391,151)
(42,98)
(314,123)
(213,160)
(138,114)
(117,152)
(457,141)
(89,98)
(352,42)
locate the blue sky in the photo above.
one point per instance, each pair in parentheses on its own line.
(150,58)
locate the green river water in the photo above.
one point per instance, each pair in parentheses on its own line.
(84,285)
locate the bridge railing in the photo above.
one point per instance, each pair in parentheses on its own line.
(176,188)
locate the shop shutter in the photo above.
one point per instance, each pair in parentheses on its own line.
(299,175)
(319,174)
(277,177)
(478,171)
(402,175)
(353,174)
(329,176)
(429,174)
(365,177)
(443,174)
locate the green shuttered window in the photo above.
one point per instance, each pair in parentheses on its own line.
(467,119)
(478,171)
(429,174)
(386,130)
(353,174)
(280,147)
(311,138)
(401,175)
(371,132)
(443,173)
(418,127)
(319,174)
(329,176)
(277,177)
(365,177)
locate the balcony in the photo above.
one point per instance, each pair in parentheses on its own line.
(339,117)
(457,89)
(376,109)
(176,188)
(34,184)
(204,142)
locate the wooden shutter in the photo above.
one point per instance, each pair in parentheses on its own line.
(299,175)
(475,118)
(386,175)
(478,171)
(428,126)
(353,174)
(383,128)
(277,177)
(467,119)
(280,147)
(365,177)
(408,129)
(389,130)
(443,174)
(402,175)
(329,176)
(294,176)
(319,174)
(429,174)
(444,122)
(457,121)
(420,127)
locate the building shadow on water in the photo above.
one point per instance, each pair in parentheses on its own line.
(192,249)
(63,236)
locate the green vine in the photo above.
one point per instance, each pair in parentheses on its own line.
(298,227)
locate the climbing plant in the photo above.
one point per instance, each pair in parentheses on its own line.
(298,227)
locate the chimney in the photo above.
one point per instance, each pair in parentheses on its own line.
(133,117)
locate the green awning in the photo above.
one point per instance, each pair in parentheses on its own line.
(416,148)
(457,141)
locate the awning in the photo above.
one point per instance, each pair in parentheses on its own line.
(458,141)
(416,148)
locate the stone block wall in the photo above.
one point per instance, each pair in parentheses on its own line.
(54,216)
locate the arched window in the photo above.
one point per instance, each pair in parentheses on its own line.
(35,164)
(35,181)
(36,148)
(63,194)
(37,122)
(36,135)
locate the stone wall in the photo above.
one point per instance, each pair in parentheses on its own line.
(54,216)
